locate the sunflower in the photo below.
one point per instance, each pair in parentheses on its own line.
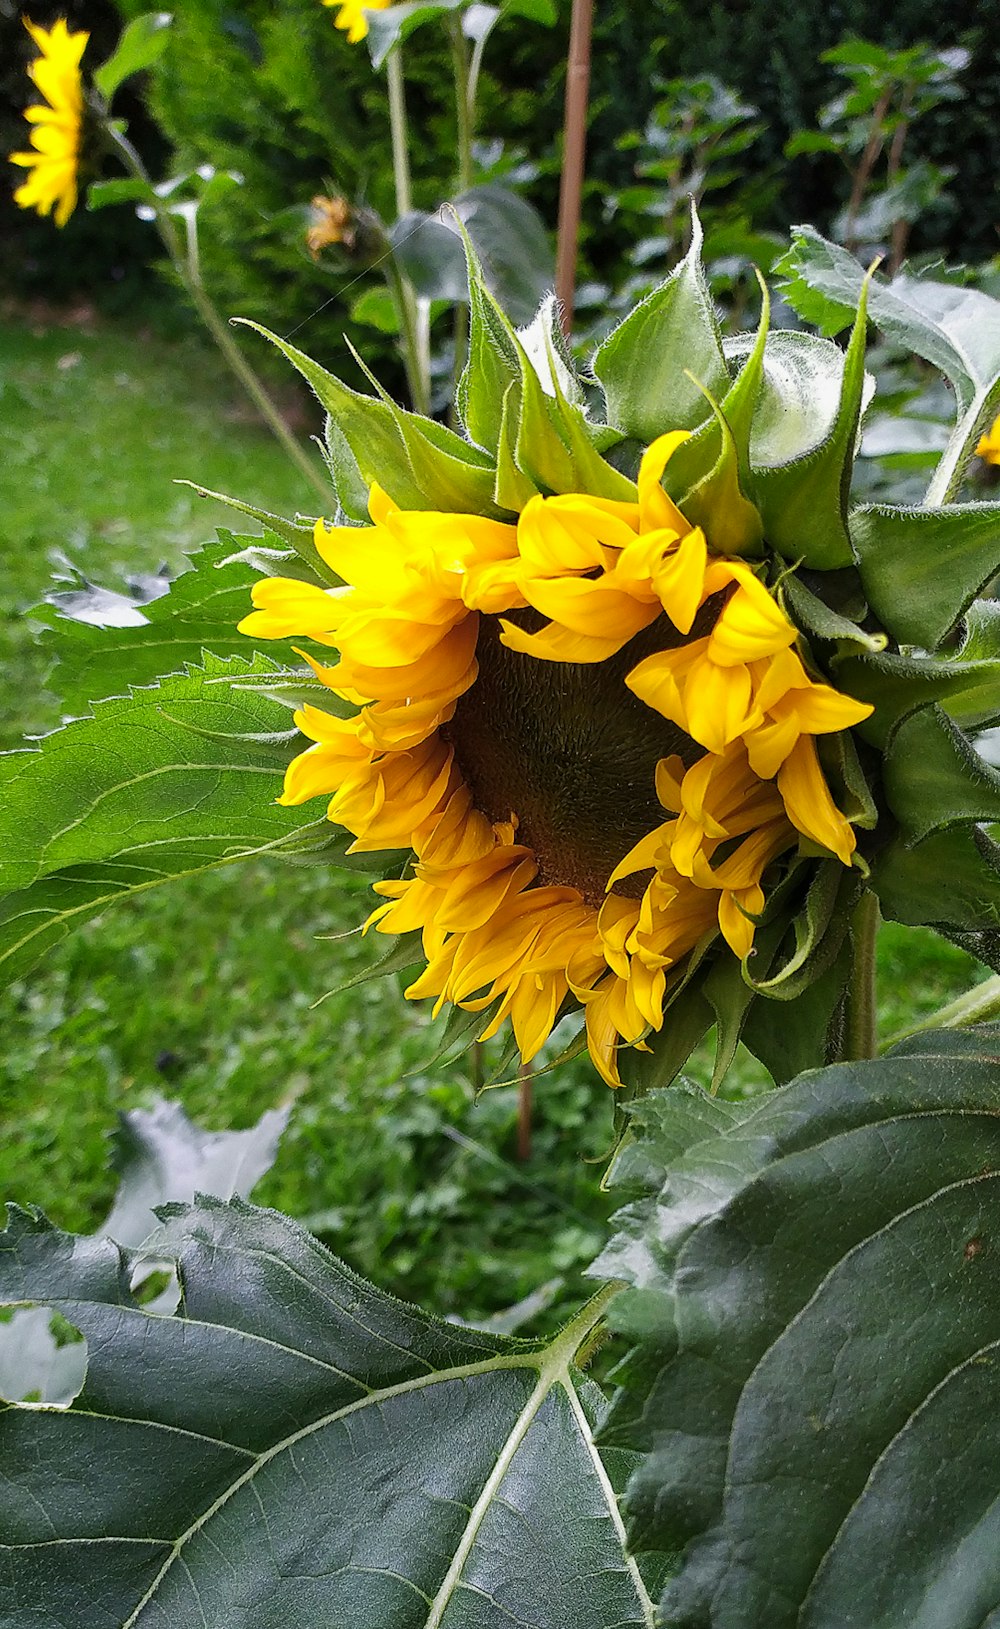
(473,648)
(989,444)
(351,16)
(55,157)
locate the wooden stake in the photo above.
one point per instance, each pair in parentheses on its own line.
(574,150)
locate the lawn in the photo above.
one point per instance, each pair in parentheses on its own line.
(208,991)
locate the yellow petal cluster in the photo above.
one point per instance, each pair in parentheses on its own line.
(498,937)
(351,16)
(54,158)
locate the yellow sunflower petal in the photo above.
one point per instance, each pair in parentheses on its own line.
(810,807)
(655,508)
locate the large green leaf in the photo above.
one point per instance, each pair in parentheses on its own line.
(295,1447)
(199,613)
(814,1304)
(170,781)
(191,758)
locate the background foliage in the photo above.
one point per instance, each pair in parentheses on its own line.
(271,89)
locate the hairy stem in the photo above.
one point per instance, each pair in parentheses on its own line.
(974,1007)
(465,90)
(415,342)
(184,259)
(861,1040)
(398,131)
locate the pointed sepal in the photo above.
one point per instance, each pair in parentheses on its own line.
(641,365)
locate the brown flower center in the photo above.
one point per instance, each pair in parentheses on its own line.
(569,750)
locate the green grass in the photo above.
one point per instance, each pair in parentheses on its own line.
(207,991)
(98,425)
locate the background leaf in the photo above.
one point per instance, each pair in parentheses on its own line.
(814,1303)
(36,1366)
(295,1445)
(142,43)
(162,1157)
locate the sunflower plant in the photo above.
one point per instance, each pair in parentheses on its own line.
(640,725)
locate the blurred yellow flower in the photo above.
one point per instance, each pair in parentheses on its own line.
(332,222)
(55,139)
(594,734)
(989,444)
(351,15)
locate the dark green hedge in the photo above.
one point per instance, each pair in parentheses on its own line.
(270,88)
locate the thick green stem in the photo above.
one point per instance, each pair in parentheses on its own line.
(463,102)
(950,471)
(398,131)
(465,90)
(185,263)
(415,339)
(974,1007)
(862,1040)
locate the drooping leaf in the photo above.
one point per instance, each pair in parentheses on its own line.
(162,1157)
(814,1304)
(293,1445)
(514,256)
(921,568)
(125,189)
(394,23)
(142,43)
(429,252)
(956,329)
(512,245)
(645,363)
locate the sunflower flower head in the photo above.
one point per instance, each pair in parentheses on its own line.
(351,17)
(989,444)
(53,161)
(616,692)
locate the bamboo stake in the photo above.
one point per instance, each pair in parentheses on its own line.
(574,150)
